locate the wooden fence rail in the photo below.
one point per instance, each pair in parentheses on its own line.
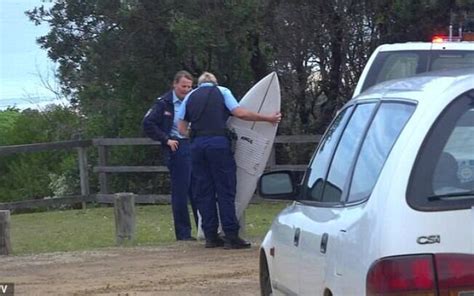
(40,147)
(103,168)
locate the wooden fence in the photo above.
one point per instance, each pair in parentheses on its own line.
(104,169)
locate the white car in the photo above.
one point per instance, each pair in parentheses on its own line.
(400,60)
(386,206)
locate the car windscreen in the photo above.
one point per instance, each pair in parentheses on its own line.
(442,177)
(400,64)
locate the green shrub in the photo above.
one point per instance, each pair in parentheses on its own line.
(28,175)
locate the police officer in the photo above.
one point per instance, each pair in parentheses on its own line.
(160,124)
(205,110)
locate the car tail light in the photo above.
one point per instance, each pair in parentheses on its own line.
(422,275)
(397,276)
(455,274)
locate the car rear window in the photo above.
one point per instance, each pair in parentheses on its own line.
(443,175)
(400,64)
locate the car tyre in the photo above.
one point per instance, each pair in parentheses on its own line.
(265,284)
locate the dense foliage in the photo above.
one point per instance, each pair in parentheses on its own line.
(116,56)
(38,174)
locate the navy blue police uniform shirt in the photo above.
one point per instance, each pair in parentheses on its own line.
(158,121)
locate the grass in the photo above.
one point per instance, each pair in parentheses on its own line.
(94,228)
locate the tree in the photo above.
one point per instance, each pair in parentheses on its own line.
(319,49)
(222,37)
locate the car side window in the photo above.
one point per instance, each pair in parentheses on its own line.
(389,121)
(442,177)
(316,173)
(340,169)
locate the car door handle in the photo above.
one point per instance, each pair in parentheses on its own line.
(324,243)
(296,238)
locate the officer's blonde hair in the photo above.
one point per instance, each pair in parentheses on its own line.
(207,77)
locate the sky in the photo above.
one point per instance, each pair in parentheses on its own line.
(22,61)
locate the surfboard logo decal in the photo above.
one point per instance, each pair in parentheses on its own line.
(250,152)
(247,139)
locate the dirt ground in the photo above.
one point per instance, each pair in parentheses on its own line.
(183,268)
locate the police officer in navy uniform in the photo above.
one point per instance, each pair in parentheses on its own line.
(205,111)
(160,124)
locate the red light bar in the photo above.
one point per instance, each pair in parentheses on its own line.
(437,39)
(444,38)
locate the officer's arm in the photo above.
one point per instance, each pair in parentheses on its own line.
(183,128)
(244,114)
(152,123)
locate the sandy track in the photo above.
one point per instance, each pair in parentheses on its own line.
(183,268)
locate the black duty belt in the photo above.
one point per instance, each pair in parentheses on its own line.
(208,133)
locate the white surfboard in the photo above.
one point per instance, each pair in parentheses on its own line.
(254,140)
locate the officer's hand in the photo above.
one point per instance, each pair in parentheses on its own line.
(275,118)
(173,144)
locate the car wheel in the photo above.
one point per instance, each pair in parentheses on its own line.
(265,283)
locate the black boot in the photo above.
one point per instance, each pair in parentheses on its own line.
(215,242)
(235,242)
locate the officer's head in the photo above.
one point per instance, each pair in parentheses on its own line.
(207,77)
(182,83)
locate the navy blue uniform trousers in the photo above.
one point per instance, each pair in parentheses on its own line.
(214,173)
(179,165)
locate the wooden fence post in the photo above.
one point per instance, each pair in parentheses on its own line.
(103,155)
(83,172)
(5,245)
(124,209)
